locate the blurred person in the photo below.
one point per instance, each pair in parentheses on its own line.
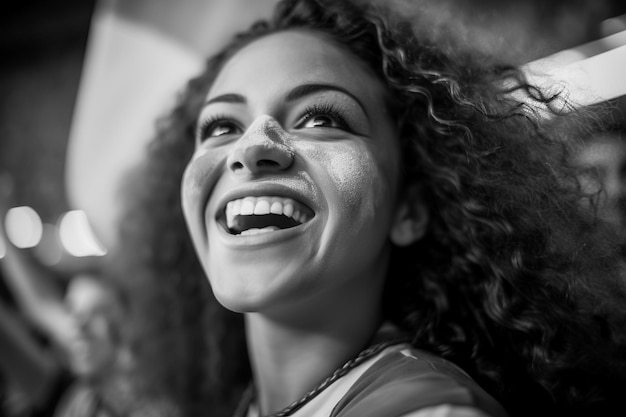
(98,312)
(68,357)
(36,327)
(386,230)
(602,159)
(100,358)
(38,290)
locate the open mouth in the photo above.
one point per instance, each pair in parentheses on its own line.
(254,215)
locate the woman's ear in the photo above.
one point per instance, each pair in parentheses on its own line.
(410,222)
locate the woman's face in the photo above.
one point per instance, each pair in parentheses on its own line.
(292,191)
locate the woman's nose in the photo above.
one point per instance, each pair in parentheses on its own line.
(263,148)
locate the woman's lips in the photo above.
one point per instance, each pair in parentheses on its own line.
(262,214)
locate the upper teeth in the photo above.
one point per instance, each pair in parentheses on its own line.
(249,206)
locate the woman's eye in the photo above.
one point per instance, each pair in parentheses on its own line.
(219,128)
(321,120)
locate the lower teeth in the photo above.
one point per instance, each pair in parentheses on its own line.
(256,231)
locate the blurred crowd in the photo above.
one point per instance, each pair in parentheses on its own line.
(62,347)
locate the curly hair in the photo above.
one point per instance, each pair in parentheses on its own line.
(515,280)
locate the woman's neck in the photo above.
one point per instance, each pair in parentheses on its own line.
(289,360)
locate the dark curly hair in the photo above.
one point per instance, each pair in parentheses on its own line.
(515,279)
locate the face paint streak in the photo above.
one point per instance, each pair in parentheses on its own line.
(200,170)
(353,171)
(350,170)
(271,134)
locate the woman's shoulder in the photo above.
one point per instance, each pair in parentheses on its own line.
(407,379)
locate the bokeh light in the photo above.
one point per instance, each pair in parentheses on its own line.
(77,235)
(23,227)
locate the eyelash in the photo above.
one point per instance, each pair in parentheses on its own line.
(324,109)
(210,123)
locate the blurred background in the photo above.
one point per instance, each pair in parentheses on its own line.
(42,45)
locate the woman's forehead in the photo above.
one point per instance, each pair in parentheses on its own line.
(287,59)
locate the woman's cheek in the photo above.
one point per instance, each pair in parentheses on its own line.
(198,180)
(355,174)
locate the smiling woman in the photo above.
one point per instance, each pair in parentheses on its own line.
(390,231)
(289,136)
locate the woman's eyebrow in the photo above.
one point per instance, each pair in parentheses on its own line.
(295,94)
(226,98)
(307,89)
